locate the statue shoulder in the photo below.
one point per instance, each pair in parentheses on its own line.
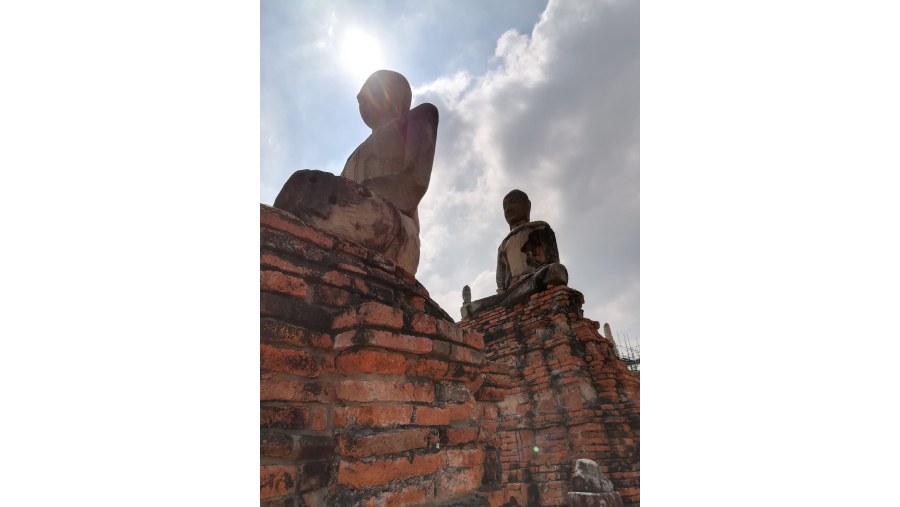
(424,113)
(528,227)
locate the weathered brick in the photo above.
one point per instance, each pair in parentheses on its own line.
(451,391)
(504,497)
(455,482)
(430,416)
(370,314)
(465,354)
(276,480)
(273,330)
(408,495)
(374,337)
(271,260)
(313,447)
(490,394)
(496,367)
(274,444)
(457,436)
(284,243)
(371,361)
(449,330)
(364,288)
(274,219)
(277,281)
(459,371)
(359,475)
(474,340)
(464,458)
(462,411)
(384,390)
(330,296)
(429,368)
(351,248)
(350,338)
(336,278)
(497,380)
(417,303)
(290,417)
(376,416)
(293,310)
(281,389)
(353,268)
(360,446)
(441,348)
(423,324)
(295,362)
(414,344)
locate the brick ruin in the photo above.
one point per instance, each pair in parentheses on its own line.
(372,396)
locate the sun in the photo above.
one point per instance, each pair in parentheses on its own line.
(361,53)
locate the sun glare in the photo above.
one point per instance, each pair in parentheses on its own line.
(360,53)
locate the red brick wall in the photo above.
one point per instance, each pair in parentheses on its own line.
(569,397)
(366,384)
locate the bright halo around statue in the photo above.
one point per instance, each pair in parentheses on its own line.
(361,53)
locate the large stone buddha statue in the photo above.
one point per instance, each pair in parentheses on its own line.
(375,200)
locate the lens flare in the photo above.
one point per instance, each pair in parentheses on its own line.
(360,53)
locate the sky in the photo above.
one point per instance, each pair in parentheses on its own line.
(535,95)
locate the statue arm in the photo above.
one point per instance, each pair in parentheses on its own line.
(502,271)
(421,138)
(552,249)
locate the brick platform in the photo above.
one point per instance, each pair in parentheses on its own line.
(568,397)
(372,396)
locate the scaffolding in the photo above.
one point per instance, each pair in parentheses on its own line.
(629,352)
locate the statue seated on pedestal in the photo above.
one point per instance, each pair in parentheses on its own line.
(375,200)
(527,259)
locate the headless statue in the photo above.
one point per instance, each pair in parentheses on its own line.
(375,200)
(527,259)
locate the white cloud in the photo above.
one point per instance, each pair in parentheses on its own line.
(447,88)
(558,117)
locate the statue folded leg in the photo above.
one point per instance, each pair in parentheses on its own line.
(348,209)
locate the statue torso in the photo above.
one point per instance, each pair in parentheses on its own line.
(395,160)
(525,249)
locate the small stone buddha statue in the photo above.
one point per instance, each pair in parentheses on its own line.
(528,256)
(527,259)
(375,200)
